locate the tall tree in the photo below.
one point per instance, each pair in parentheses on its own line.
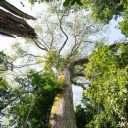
(63,40)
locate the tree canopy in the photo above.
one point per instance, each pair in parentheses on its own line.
(102,11)
(105,99)
(35,90)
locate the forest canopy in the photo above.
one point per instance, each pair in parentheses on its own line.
(68,49)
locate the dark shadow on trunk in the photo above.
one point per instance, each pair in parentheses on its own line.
(12,26)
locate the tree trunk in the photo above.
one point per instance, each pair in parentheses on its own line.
(62,113)
(14,10)
(11,25)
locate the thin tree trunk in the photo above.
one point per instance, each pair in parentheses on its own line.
(62,113)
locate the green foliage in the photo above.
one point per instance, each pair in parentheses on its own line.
(2,57)
(107,71)
(84,115)
(53,59)
(3,89)
(3,82)
(33,1)
(107,93)
(33,109)
(124,26)
(45,88)
(5,62)
(72,2)
(104,10)
(66,2)
(48,79)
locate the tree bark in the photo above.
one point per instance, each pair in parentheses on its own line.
(11,25)
(14,10)
(62,112)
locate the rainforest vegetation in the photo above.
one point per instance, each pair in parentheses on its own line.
(64,46)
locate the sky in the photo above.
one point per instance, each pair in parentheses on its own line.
(112,35)
(5,42)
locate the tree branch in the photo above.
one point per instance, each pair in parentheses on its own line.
(14,99)
(60,21)
(52,35)
(27,54)
(45,44)
(16,11)
(9,102)
(42,48)
(74,48)
(26,65)
(79,84)
(30,109)
(81,61)
(77,74)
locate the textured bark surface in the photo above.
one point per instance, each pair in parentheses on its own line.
(11,25)
(62,113)
(14,10)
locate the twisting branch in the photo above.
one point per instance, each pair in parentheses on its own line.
(81,61)
(26,65)
(14,99)
(52,40)
(74,48)
(77,44)
(6,66)
(27,54)
(30,55)
(82,85)
(77,74)
(60,22)
(45,44)
(52,35)
(42,48)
